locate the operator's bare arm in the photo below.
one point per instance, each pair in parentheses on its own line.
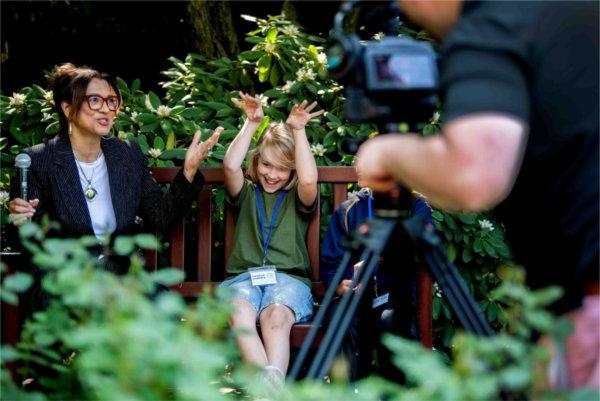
(471,166)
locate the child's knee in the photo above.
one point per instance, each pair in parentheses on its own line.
(277,316)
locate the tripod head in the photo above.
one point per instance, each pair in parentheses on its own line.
(396,203)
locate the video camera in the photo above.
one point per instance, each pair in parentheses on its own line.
(391,80)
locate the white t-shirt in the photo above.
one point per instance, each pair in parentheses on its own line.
(100,207)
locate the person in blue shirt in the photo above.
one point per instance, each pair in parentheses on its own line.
(356,347)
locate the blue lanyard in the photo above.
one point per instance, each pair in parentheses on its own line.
(266,239)
(370,216)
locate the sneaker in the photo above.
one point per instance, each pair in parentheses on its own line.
(271,380)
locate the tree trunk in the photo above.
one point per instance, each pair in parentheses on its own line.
(213,24)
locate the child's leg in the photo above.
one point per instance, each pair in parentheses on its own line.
(246,302)
(283,304)
(251,348)
(276,323)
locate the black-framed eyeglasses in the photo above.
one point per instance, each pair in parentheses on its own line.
(95,102)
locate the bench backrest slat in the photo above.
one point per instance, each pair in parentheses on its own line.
(204,233)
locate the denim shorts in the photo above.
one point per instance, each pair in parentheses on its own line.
(288,291)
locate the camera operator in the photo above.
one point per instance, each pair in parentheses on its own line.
(519,85)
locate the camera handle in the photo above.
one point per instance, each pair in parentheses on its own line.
(372,240)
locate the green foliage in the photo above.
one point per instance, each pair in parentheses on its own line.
(284,67)
(13,284)
(477,247)
(26,118)
(483,367)
(115,337)
(29,118)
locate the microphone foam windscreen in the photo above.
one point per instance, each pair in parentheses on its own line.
(22,160)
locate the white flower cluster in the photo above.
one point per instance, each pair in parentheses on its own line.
(331,90)
(264,100)
(435,118)
(122,135)
(134,115)
(270,48)
(486,224)
(155,153)
(163,111)
(4,197)
(17,99)
(322,58)
(305,74)
(437,290)
(49,97)
(318,149)
(290,30)
(335,88)
(287,87)
(378,36)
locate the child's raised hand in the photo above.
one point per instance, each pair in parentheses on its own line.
(300,115)
(251,106)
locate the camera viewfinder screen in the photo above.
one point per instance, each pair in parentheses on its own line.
(405,70)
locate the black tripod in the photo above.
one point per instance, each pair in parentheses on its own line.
(385,236)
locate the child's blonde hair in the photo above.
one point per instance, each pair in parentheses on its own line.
(275,146)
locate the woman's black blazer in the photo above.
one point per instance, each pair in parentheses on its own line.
(54,179)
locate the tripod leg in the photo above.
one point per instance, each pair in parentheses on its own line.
(332,350)
(334,330)
(453,286)
(375,236)
(318,320)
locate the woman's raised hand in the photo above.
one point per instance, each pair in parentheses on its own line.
(301,114)
(251,106)
(197,152)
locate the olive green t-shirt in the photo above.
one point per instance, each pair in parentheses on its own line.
(287,246)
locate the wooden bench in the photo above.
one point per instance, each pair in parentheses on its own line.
(202,271)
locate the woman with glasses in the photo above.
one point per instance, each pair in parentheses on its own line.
(92,183)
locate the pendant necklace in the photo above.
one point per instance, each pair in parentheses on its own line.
(90,192)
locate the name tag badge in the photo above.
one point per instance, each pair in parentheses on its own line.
(381,300)
(263,275)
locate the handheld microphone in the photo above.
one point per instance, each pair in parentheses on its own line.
(22,162)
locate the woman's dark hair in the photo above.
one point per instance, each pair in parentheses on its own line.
(69,84)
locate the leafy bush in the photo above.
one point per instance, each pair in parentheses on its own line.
(113,337)
(477,246)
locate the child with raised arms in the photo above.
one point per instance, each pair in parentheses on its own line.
(269,266)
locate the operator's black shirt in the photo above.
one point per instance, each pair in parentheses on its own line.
(538,62)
